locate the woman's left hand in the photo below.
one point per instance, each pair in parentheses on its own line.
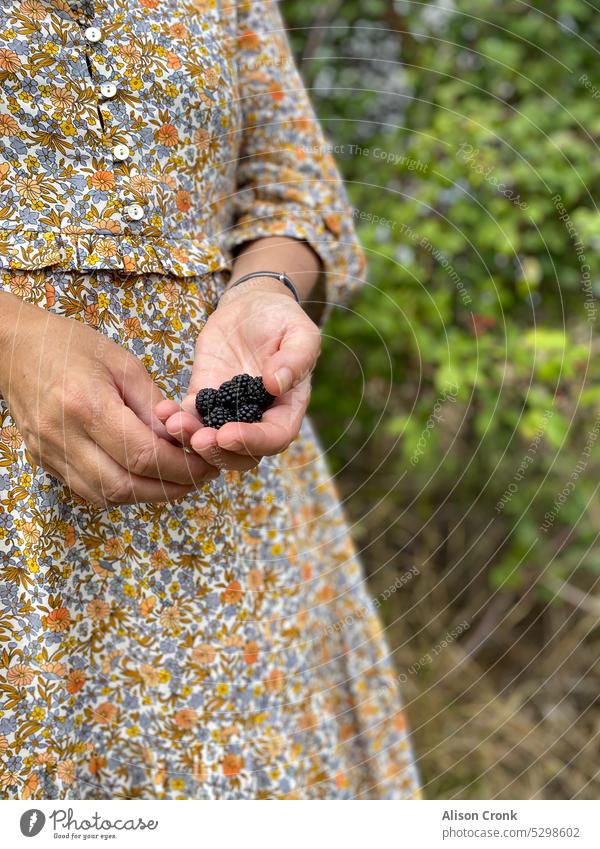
(258,329)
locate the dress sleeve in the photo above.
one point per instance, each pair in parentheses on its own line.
(287,182)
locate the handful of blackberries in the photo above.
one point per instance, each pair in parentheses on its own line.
(241,399)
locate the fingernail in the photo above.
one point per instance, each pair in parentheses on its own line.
(232,446)
(284,378)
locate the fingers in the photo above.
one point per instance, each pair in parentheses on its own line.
(182,426)
(189,404)
(178,426)
(257,440)
(295,359)
(204,442)
(135,447)
(95,476)
(165,408)
(139,391)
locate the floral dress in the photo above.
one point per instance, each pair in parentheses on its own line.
(222,645)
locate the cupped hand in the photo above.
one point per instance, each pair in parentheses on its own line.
(84,406)
(257,330)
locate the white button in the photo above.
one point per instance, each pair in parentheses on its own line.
(108,90)
(93,34)
(134,211)
(121,151)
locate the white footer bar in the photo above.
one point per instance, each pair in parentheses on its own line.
(301,825)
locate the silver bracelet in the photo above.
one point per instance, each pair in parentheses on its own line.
(276,275)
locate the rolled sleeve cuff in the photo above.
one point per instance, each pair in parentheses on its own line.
(328,234)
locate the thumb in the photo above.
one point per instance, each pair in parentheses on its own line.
(294,360)
(141,394)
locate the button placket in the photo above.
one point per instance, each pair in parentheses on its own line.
(107,90)
(122,150)
(92,35)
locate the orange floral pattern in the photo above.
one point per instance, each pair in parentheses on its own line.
(223,645)
(209,106)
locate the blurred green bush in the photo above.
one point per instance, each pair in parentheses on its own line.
(465,138)
(466,431)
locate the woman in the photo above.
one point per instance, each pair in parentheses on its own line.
(179,621)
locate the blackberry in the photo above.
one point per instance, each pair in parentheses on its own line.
(249,413)
(206,399)
(229,394)
(218,417)
(243,382)
(241,399)
(257,394)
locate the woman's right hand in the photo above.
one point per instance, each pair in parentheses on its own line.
(84,407)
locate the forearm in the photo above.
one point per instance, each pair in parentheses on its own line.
(279,253)
(8,302)
(10,305)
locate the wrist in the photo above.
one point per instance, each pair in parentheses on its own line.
(255,286)
(9,306)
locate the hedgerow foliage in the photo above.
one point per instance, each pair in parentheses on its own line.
(459,397)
